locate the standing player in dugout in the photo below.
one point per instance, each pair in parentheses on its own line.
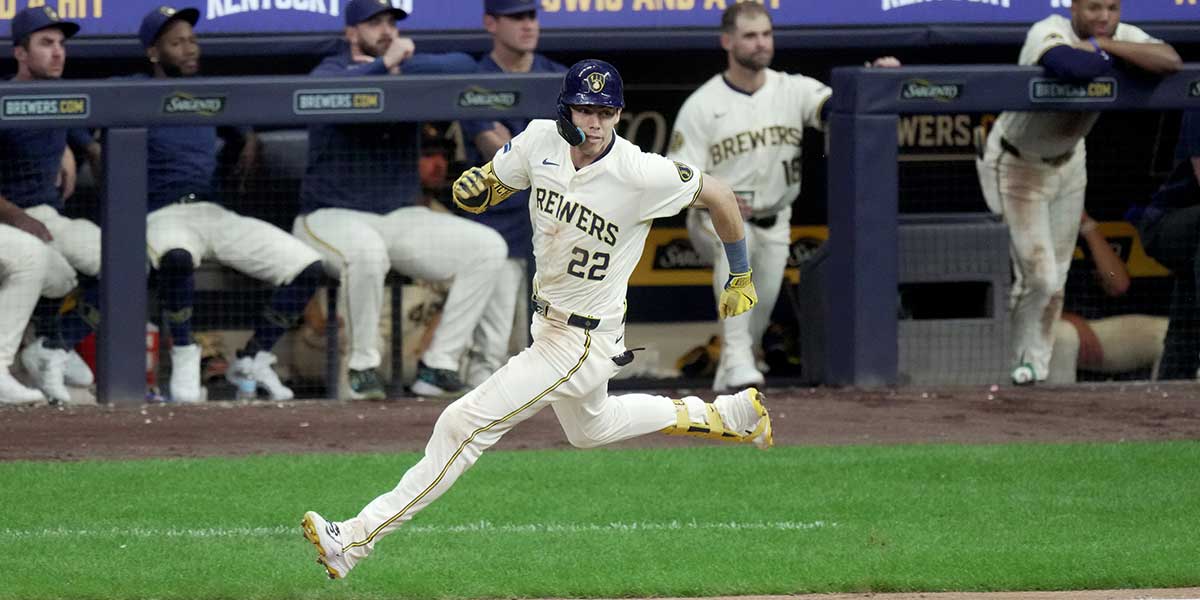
(1033,170)
(593,199)
(746,125)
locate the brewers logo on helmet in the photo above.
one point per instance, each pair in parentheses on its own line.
(588,82)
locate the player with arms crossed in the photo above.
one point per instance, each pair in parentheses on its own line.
(746,125)
(1033,170)
(594,197)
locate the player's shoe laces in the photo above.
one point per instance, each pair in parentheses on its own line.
(14,394)
(327,538)
(185,374)
(745,414)
(46,366)
(436,382)
(1024,375)
(258,368)
(366,385)
(77,372)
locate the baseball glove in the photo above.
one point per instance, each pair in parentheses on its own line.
(739,295)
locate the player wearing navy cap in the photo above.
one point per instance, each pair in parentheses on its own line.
(37,174)
(187,224)
(513,25)
(358,210)
(594,197)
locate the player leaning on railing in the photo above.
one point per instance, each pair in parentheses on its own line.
(593,197)
(1033,169)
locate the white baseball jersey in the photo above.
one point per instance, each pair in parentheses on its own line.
(1050,134)
(751,141)
(590,225)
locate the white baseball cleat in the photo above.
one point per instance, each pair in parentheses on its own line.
(738,377)
(12,393)
(77,372)
(185,374)
(46,366)
(327,538)
(745,414)
(1024,375)
(259,369)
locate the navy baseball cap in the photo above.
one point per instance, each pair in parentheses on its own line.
(35,19)
(156,21)
(509,7)
(358,11)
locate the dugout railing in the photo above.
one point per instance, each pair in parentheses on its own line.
(126,108)
(861,324)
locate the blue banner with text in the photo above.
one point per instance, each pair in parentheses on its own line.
(121,17)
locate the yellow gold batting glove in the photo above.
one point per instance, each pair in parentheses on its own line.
(471,189)
(739,295)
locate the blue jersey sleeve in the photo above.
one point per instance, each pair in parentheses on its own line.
(340,66)
(450,63)
(79,139)
(1072,63)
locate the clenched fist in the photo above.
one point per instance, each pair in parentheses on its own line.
(471,189)
(739,295)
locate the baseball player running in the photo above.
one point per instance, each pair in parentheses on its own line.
(746,125)
(186,226)
(357,211)
(37,174)
(513,25)
(593,199)
(25,273)
(1033,168)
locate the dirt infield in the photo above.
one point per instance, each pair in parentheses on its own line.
(819,416)
(801,416)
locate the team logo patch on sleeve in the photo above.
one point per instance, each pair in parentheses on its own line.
(685,172)
(507,147)
(1053,36)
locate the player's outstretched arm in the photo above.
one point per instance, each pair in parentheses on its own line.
(1155,57)
(739,295)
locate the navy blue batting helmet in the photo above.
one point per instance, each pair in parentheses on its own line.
(588,82)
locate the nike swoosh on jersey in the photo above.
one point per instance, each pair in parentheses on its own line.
(546,161)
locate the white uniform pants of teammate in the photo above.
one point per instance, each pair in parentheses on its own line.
(209,231)
(76,240)
(1042,205)
(360,247)
(29,268)
(494,333)
(769,249)
(565,367)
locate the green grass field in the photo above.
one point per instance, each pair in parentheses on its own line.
(610,523)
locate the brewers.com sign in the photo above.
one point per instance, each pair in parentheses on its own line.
(70,106)
(324,102)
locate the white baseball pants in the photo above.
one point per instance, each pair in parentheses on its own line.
(565,367)
(769,249)
(77,240)
(360,247)
(1042,205)
(209,231)
(494,333)
(29,268)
